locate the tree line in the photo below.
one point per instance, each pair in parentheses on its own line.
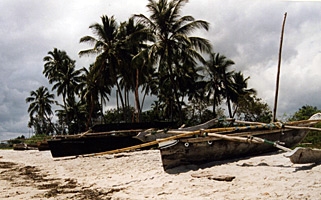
(153,55)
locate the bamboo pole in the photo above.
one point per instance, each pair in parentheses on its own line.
(111,132)
(303,128)
(256,140)
(234,138)
(278,72)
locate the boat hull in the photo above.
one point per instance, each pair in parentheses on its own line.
(87,145)
(199,151)
(103,137)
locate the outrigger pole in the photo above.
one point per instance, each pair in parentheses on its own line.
(278,73)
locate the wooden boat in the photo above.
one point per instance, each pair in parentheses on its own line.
(209,145)
(20,146)
(102,137)
(304,155)
(43,145)
(24,146)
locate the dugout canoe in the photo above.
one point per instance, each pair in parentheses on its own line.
(203,148)
(102,137)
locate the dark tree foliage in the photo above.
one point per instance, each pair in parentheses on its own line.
(305,112)
(313,139)
(253,109)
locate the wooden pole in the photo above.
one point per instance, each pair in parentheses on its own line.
(278,73)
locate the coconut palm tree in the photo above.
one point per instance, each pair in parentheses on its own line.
(106,47)
(219,83)
(135,66)
(60,69)
(240,90)
(118,50)
(92,86)
(54,61)
(67,79)
(172,41)
(73,116)
(40,109)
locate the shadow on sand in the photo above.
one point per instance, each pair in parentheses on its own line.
(187,168)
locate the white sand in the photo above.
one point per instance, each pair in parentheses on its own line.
(139,175)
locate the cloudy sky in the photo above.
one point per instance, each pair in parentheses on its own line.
(248,32)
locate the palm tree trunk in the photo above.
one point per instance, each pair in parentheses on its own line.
(51,124)
(174,88)
(91,109)
(143,101)
(214,105)
(121,99)
(227,96)
(137,97)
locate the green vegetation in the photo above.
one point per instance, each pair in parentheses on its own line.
(313,138)
(22,139)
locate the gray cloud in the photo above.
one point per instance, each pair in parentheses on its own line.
(247,32)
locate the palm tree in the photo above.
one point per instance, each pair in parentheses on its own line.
(240,90)
(93,85)
(40,109)
(223,64)
(53,63)
(219,83)
(73,115)
(67,79)
(135,66)
(60,68)
(105,46)
(172,42)
(119,58)
(149,83)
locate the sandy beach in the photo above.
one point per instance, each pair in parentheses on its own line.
(139,175)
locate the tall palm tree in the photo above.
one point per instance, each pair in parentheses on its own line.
(67,79)
(149,83)
(40,108)
(73,115)
(219,83)
(93,85)
(240,89)
(172,40)
(54,61)
(135,65)
(105,46)
(118,59)
(59,68)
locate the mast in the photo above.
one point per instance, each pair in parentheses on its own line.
(278,72)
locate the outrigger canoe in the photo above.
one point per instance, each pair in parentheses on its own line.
(210,145)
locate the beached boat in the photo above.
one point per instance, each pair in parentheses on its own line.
(24,146)
(43,145)
(102,137)
(210,145)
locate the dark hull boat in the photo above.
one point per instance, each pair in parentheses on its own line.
(43,146)
(202,150)
(61,147)
(219,144)
(104,137)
